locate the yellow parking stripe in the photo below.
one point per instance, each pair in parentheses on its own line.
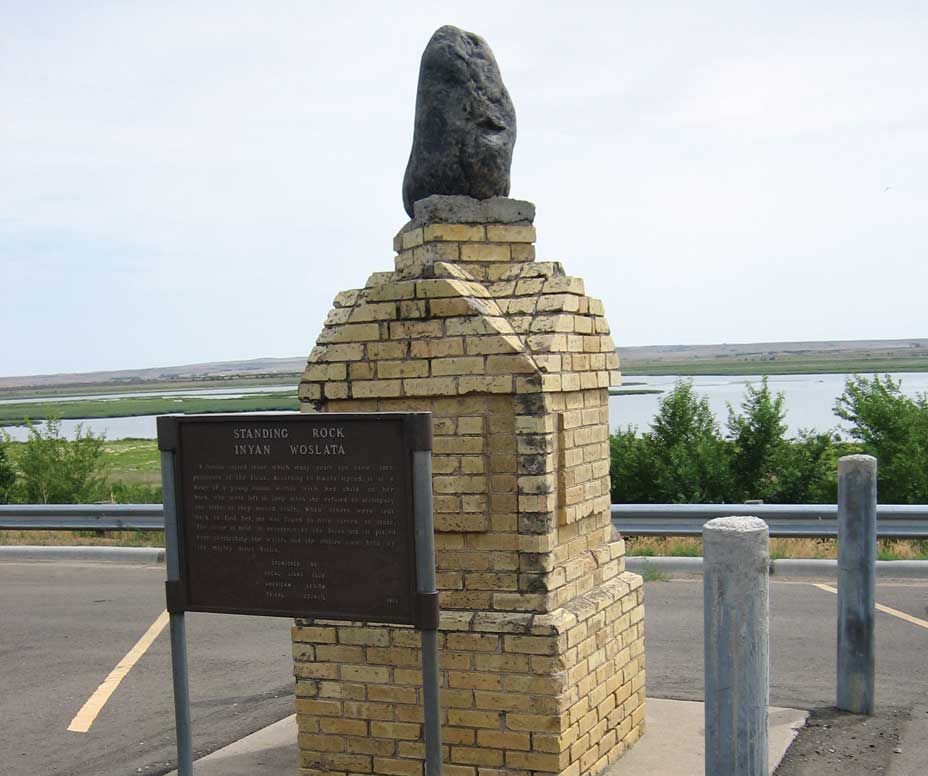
(887,609)
(89,711)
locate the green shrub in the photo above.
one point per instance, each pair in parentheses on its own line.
(758,442)
(54,470)
(7,473)
(894,428)
(691,461)
(683,457)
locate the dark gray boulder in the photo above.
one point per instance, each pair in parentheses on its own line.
(465,124)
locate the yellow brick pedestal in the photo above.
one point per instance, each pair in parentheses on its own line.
(541,640)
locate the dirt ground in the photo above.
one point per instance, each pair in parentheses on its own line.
(835,742)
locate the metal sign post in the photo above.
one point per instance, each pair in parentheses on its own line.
(269,515)
(177,623)
(425,576)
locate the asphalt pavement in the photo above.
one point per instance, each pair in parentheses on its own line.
(802,671)
(65,626)
(802,642)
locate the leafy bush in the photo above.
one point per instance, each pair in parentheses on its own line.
(768,466)
(7,473)
(681,459)
(807,471)
(691,461)
(759,447)
(684,457)
(894,428)
(54,470)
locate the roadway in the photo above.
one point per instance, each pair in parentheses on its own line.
(802,642)
(65,627)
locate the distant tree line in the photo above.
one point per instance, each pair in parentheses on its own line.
(685,457)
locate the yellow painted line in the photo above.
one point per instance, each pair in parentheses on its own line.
(89,711)
(881,608)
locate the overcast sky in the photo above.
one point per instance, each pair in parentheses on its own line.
(188,182)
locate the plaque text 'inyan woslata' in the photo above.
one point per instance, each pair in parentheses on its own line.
(297,514)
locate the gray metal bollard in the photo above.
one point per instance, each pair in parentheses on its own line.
(856,582)
(736,559)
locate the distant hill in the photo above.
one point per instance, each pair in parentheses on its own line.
(772,349)
(778,357)
(751,357)
(210,370)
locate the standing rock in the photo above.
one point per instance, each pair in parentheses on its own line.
(465,124)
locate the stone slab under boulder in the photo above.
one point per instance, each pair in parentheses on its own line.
(460,209)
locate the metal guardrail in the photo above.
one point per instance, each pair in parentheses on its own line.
(82,517)
(894,521)
(796,520)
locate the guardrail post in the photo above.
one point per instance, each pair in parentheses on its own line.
(736,559)
(856,582)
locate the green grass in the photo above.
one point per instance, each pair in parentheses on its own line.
(115,386)
(780,366)
(632,391)
(887,555)
(691,546)
(84,538)
(134,461)
(16,414)
(652,574)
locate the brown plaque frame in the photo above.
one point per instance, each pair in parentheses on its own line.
(209,443)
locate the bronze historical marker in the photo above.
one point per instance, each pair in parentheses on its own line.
(296,515)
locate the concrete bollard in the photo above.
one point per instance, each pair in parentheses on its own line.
(856,582)
(736,559)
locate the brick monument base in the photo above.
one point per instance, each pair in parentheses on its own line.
(542,634)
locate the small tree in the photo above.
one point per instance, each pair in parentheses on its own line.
(689,460)
(54,470)
(631,468)
(807,470)
(759,442)
(683,458)
(7,471)
(894,428)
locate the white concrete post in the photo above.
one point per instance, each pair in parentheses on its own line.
(736,560)
(856,582)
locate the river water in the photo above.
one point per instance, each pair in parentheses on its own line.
(809,402)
